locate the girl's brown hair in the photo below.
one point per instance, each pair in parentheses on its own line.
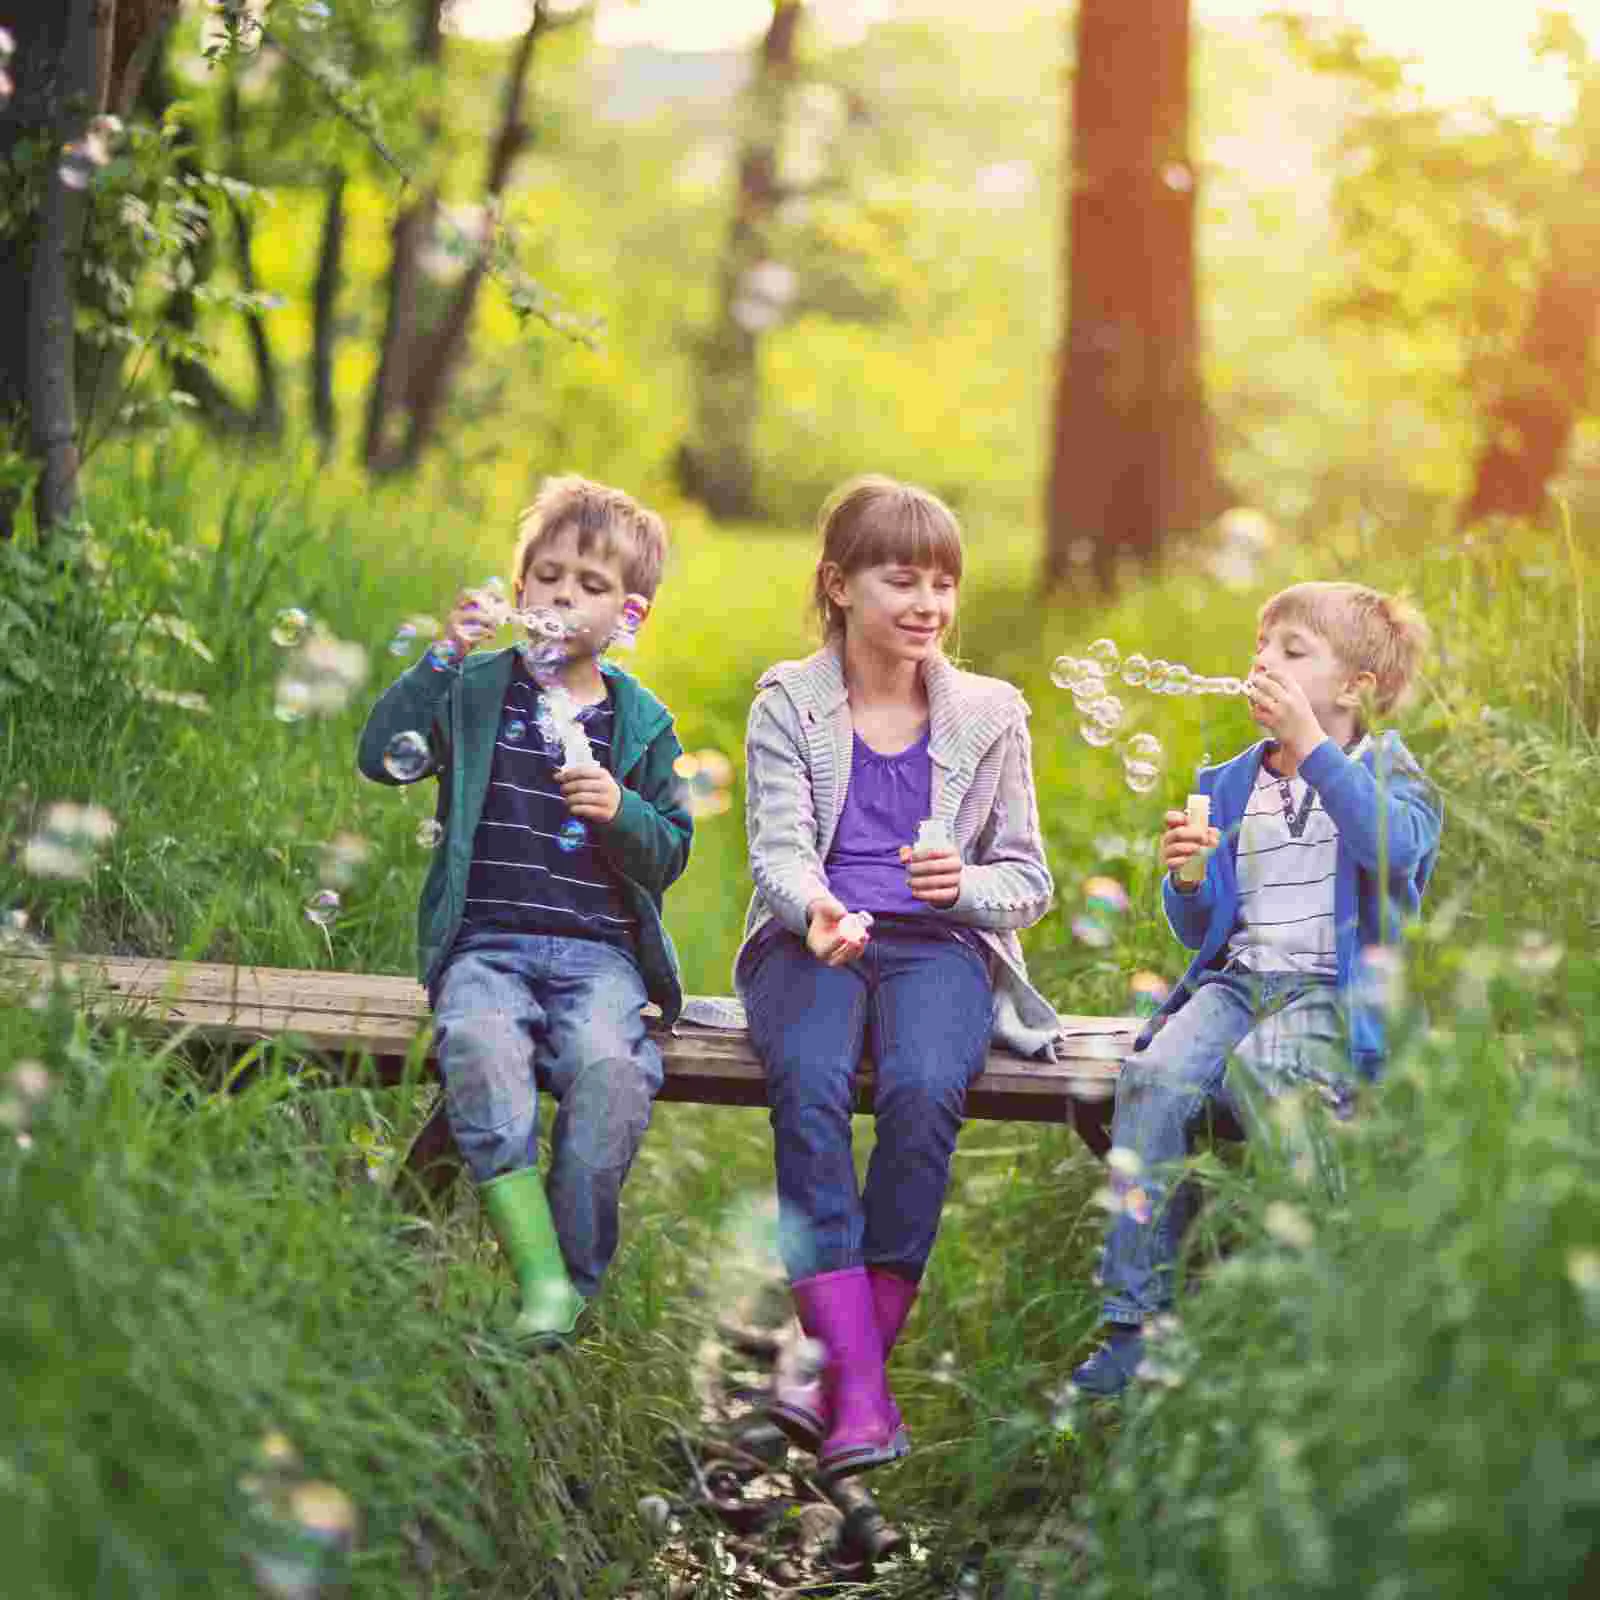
(874,521)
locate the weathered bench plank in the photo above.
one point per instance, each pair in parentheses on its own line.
(380,1016)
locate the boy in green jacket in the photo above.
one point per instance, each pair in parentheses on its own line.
(539,930)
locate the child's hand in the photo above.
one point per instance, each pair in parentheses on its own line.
(1279,704)
(935,878)
(469,623)
(590,792)
(830,944)
(1182,843)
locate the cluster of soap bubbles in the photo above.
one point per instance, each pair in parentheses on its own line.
(67,840)
(82,158)
(705,782)
(321,673)
(8,48)
(1088,679)
(300,1531)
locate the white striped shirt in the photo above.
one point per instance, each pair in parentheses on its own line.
(1286,859)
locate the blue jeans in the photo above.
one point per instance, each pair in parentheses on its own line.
(518,1012)
(1282,1030)
(925,1004)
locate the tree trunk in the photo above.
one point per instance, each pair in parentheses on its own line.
(267,417)
(1132,457)
(431,373)
(716,465)
(1530,423)
(50,365)
(71,61)
(411,229)
(324,307)
(216,407)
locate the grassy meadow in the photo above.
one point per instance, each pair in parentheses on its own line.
(1385,1382)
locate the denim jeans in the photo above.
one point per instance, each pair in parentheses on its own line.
(517,1012)
(924,1003)
(1281,1030)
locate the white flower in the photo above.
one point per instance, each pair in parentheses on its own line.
(1289,1225)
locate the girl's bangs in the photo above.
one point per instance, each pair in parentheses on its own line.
(909,533)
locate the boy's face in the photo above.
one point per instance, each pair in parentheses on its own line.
(587,591)
(1295,651)
(898,610)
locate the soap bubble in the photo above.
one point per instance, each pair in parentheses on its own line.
(289,627)
(1156,678)
(320,677)
(407,757)
(1093,733)
(1106,711)
(323,907)
(571,834)
(342,857)
(1135,670)
(1179,680)
(1104,900)
(1142,757)
(1105,655)
(429,833)
(1230,685)
(1065,671)
(443,654)
(516,730)
(405,639)
(1244,535)
(1105,895)
(65,841)
(1148,992)
(705,778)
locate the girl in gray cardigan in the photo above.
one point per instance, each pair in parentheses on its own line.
(847,754)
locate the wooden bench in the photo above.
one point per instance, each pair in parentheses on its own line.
(345,1016)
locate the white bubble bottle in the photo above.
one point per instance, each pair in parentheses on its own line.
(933,838)
(1194,869)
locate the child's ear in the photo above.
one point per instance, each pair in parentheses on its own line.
(833,582)
(1356,690)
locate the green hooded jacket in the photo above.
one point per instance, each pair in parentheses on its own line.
(647,842)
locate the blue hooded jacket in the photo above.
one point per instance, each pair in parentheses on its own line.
(1388,817)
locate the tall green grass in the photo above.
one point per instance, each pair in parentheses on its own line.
(187,1270)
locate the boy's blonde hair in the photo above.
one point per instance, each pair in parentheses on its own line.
(1383,634)
(607,522)
(873,521)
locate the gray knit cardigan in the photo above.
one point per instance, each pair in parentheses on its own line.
(797,766)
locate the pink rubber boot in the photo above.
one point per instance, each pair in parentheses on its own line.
(837,1309)
(892,1299)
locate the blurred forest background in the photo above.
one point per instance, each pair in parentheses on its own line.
(1174,303)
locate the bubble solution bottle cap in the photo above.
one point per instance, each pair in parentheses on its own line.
(1194,869)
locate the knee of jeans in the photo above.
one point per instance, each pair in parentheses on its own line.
(606,1111)
(918,1105)
(1144,1072)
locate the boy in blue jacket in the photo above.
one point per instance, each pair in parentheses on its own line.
(1322,843)
(539,931)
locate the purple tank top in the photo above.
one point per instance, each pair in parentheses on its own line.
(886,799)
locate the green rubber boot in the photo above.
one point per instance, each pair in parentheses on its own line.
(518,1212)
